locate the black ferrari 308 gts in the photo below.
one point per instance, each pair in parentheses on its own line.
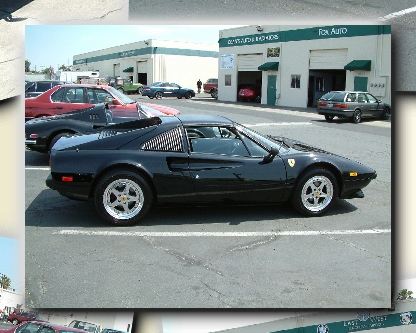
(126,168)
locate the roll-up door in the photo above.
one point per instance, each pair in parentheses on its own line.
(142,66)
(249,62)
(328,59)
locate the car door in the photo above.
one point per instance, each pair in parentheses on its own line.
(375,107)
(224,168)
(168,90)
(363,104)
(66,99)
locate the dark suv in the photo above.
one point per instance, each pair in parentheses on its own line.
(33,89)
(352,104)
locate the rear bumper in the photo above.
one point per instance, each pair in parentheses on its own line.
(336,113)
(72,190)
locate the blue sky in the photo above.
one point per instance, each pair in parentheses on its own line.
(53,45)
(9,263)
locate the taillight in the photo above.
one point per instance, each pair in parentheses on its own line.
(322,104)
(67,178)
(341,106)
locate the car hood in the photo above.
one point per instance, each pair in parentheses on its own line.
(298,145)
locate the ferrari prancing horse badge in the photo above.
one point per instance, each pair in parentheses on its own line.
(291,162)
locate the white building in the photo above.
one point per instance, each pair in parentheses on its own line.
(10,299)
(401,319)
(295,65)
(153,60)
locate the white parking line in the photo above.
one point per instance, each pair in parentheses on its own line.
(397,14)
(220,234)
(38,168)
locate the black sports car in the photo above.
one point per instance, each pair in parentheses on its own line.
(42,133)
(128,167)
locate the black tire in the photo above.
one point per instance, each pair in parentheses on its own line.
(214,93)
(139,90)
(329,118)
(121,90)
(257,99)
(385,115)
(158,95)
(15,322)
(357,117)
(188,95)
(55,139)
(129,189)
(314,192)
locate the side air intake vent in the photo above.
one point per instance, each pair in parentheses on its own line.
(167,141)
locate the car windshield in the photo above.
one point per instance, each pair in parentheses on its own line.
(333,96)
(265,142)
(121,96)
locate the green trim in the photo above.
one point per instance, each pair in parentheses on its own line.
(269,66)
(324,32)
(358,65)
(147,51)
(356,325)
(128,70)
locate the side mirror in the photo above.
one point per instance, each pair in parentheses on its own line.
(269,158)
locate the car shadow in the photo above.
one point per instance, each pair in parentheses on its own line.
(50,209)
(35,159)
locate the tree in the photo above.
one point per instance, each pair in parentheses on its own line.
(5,282)
(404,294)
(65,68)
(27,66)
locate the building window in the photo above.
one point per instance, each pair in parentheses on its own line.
(228,80)
(295,83)
(273,52)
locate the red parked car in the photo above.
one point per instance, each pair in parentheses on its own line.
(44,327)
(19,317)
(70,97)
(251,93)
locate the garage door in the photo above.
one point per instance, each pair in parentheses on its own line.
(328,59)
(249,62)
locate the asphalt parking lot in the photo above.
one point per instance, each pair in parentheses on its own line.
(222,257)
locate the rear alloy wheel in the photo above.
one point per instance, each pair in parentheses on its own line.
(314,192)
(385,115)
(123,197)
(187,95)
(329,117)
(56,138)
(158,95)
(356,116)
(121,90)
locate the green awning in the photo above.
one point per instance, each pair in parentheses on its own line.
(358,65)
(128,70)
(269,66)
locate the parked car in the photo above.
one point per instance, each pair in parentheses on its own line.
(86,326)
(70,97)
(33,89)
(250,93)
(214,93)
(19,317)
(352,104)
(210,85)
(112,330)
(44,327)
(126,86)
(167,89)
(197,159)
(42,133)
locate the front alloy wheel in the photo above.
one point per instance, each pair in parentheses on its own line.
(122,198)
(315,192)
(187,95)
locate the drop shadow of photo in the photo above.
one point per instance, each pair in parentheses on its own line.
(8,7)
(49,209)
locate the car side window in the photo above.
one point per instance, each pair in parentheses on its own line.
(361,98)
(28,328)
(58,96)
(371,98)
(216,140)
(74,95)
(46,330)
(351,97)
(96,96)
